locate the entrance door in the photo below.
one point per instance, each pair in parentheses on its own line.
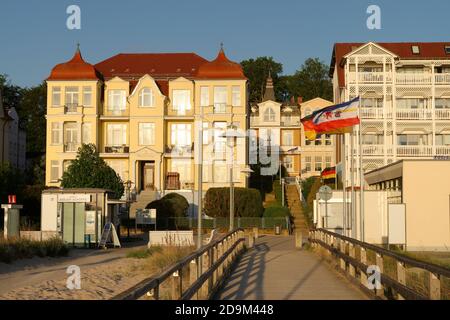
(74,223)
(149,176)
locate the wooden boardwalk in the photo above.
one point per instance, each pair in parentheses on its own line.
(274,269)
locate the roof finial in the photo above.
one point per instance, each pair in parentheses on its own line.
(78,46)
(221,46)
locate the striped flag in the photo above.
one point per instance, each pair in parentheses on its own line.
(339,118)
(328,173)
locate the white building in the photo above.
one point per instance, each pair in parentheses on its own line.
(405,101)
(13,137)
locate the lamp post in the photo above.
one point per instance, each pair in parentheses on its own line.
(231,134)
(128,184)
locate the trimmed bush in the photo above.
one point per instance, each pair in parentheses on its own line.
(276,212)
(247,202)
(14,249)
(168,208)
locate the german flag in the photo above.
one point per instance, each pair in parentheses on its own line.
(328,173)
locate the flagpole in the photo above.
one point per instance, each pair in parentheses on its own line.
(344,177)
(361,177)
(352,182)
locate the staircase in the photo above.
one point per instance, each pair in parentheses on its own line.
(295,206)
(142,200)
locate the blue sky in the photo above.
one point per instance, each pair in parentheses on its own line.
(34,36)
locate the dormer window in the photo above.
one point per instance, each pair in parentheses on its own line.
(447,49)
(269,115)
(415,49)
(146,98)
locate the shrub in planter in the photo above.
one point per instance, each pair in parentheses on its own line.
(168,208)
(247,202)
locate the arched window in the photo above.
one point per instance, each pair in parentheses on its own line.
(269,115)
(146,98)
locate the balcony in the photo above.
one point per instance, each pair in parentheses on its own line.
(442,78)
(372,150)
(290,122)
(414,151)
(71,108)
(172,111)
(369,77)
(413,78)
(179,150)
(71,146)
(117,149)
(109,112)
(220,108)
(414,114)
(376,113)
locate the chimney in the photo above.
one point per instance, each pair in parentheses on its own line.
(292,101)
(299,100)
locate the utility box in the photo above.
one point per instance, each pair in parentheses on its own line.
(12,218)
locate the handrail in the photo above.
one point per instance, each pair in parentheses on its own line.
(385,252)
(345,248)
(152,283)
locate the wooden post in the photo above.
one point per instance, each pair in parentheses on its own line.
(220,268)
(401,276)
(351,253)
(363,260)
(193,275)
(205,266)
(435,287)
(176,285)
(342,250)
(255,232)
(379,260)
(298,239)
(251,240)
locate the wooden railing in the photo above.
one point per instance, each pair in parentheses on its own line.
(196,276)
(401,277)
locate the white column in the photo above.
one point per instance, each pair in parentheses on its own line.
(433,110)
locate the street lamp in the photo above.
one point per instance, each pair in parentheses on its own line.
(128,184)
(232,134)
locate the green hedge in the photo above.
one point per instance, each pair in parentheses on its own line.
(14,249)
(272,212)
(247,202)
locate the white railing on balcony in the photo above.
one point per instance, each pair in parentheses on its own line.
(71,108)
(71,146)
(369,77)
(442,114)
(220,108)
(372,150)
(414,114)
(414,151)
(375,113)
(114,112)
(442,78)
(290,122)
(413,78)
(442,150)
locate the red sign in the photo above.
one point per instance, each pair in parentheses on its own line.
(11,198)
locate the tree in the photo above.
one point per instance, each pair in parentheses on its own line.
(311,81)
(257,71)
(88,170)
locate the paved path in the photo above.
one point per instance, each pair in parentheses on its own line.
(274,269)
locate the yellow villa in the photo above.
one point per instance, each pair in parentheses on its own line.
(141,111)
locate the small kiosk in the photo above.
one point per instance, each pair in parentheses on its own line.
(79,215)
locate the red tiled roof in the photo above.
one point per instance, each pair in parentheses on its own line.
(74,69)
(157,65)
(427,50)
(221,68)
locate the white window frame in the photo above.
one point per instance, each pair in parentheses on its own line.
(86,132)
(220,99)
(236,96)
(184,168)
(318,160)
(146,133)
(87,96)
(181,100)
(72,95)
(56,92)
(204,96)
(288,135)
(56,133)
(289,163)
(119,94)
(55,164)
(270,115)
(146,93)
(181,134)
(110,129)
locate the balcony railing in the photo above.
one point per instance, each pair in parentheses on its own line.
(179,150)
(220,108)
(117,149)
(413,78)
(442,78)
(369,77)
(71,146)
(71,108)
(375,113)
(372,150)
(442,114)
(414,114)
(293,122)
(110,112)
(414,151)
(442,150)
